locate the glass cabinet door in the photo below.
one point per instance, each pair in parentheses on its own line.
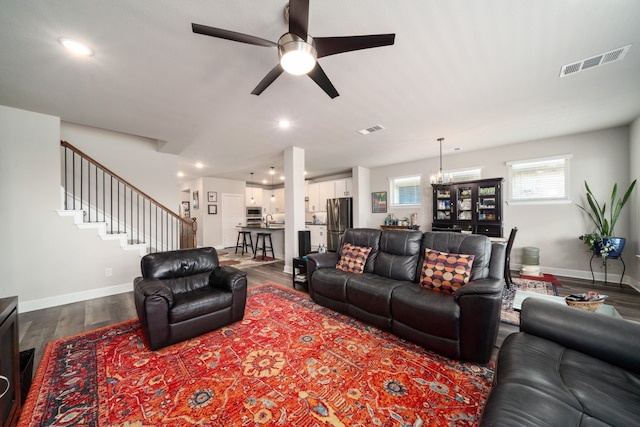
(464,202)
(488,203)
(443,204)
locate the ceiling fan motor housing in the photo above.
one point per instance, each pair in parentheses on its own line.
(297,56)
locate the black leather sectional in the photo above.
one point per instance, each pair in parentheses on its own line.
(566,367)
(387,294)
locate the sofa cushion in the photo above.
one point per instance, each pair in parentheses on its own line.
(194,304)
(399,254)
(353,258)
(430,312)
(331,283)
(445,272)
(372,293)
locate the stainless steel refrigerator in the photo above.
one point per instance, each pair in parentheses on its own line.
(339,218)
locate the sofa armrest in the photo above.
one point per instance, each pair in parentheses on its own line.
(480,302)
(144,288)
(228,278)
(317,261)
(481,287)
(606,338)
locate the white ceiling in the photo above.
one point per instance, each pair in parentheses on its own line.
(479,73)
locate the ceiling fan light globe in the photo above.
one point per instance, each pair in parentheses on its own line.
(297,56)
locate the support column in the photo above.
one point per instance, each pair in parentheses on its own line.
(294,202)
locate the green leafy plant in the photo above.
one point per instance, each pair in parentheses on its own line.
(603,222)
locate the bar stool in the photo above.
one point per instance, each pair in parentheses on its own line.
(264,248)
(245,245)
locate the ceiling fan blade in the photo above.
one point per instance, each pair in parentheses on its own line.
(326,46)
(299,18)
(318,76)
(231,35)
(268,79)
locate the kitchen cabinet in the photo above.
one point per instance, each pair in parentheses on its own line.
(9,362)
(342,187)
(257,196)
(275,206)
(327,191)
(318,236)
(471,206)
(314,198)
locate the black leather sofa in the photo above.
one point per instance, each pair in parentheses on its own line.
(388,294)
(186,293)
(566,367)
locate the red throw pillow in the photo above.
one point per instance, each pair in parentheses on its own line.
(353,258)
(444,272)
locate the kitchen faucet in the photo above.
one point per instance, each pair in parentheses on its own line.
(266,220)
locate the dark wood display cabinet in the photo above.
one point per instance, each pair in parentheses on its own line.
(9,362)
(470,206)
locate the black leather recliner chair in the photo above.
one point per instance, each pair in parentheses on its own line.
(186,293)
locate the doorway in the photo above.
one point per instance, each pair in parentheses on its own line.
(233,215)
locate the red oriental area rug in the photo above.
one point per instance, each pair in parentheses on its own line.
(290,362)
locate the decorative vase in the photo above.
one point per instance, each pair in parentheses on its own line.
(617,244)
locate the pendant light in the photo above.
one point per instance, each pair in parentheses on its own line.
(273,196)
(253,201)
(438,178)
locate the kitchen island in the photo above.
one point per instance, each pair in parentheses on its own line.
(277,236)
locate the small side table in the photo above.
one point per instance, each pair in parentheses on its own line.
(593,277)
(300,272)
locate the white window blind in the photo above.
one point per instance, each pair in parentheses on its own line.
(539,180)
(404,190)
(463,175)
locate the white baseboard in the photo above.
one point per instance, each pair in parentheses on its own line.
(581,274)
(38,304)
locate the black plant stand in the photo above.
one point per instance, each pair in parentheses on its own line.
(619,258)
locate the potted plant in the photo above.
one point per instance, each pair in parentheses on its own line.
(602,241)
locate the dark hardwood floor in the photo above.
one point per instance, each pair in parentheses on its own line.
(39,327)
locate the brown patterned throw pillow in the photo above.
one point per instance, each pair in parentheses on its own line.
(444,272)
(353,258)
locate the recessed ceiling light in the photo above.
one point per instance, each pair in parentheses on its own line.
(284,124)
(305,173)
(264,181)
(180,174)
(281,177)
(199,165)
(75,47)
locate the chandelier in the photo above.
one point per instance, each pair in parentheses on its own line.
(438,178)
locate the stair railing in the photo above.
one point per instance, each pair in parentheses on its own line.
(106,197)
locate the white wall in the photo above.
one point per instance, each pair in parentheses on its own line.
(600,157)
(45,259)
(634,243)
(134,158)
(210,226)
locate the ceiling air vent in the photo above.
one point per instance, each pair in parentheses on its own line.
(367,131)
(595,61)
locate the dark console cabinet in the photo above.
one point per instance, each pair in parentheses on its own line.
(9,362)
(470,206)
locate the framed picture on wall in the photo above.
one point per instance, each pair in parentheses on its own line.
(213,209)
(196,200)
(185,209)
(379,202)
(212,196)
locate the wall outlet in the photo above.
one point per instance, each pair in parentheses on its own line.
(108,272)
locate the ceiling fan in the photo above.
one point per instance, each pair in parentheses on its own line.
(297,50)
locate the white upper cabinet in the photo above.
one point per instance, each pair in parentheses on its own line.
(343,187)
(314,197)
(257,196)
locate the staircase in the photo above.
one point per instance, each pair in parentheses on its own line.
(97,198)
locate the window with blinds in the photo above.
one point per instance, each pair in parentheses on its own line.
(404,190)
(539,180)
(462,175)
